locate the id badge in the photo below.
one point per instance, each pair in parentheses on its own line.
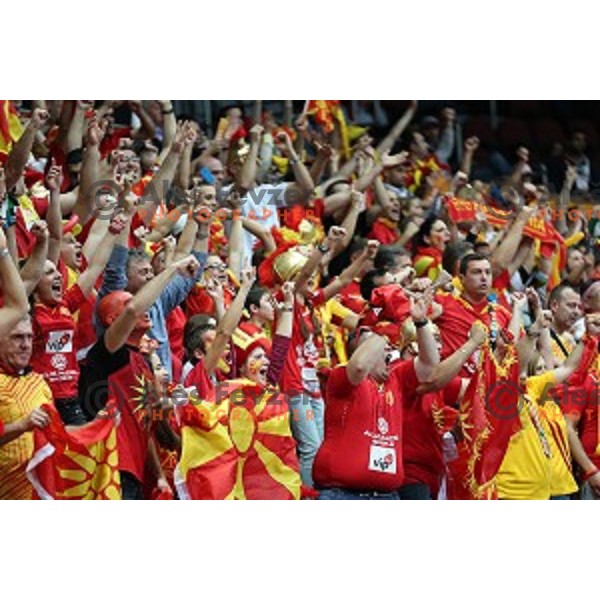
(382,459)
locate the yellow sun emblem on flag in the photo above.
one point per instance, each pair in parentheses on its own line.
(97,477)
(243,449)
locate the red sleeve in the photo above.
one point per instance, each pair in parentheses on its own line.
(338,383)
(451,392)
(1,428)
(403,378)
(74,298)
(198,377)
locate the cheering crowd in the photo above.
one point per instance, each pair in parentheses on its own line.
(290,308)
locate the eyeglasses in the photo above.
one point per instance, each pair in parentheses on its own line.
(222,268)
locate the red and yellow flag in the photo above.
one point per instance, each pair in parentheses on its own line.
(10,126)
(80,464)
(237,445)
(489,417)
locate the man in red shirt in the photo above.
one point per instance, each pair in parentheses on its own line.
(460,312)
(580,407)
(361,455)
(116,374)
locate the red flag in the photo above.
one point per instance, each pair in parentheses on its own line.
(489,416)
(461,210)
(79,464)
(238,445)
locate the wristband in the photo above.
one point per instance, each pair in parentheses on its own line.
(419,324)
(168,112)
(589,473)
(323,248)
(294,161)
(287,309)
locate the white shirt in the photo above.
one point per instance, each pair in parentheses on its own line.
(260,204)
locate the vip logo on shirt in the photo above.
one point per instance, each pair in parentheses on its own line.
(60,341)
(59,362)
(382,459)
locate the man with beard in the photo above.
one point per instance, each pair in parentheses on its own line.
(565,304)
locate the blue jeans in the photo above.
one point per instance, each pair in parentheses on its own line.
(307,420)
(587,492)
(340,494)
(415,491)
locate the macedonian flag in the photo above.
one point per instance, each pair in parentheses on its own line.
(237,445)
(79,464)
(489,417)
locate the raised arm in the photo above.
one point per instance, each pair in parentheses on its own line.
(256,229)
(449,368)
(156,190)
(101,256)
(53,216)
(365,358)
(169,127)
(428,357)
(353,270)
(504,253)
(15,301)
(315,258)
(398,129)
(90,170)
(19,153)
(118,332)
(246,176)
(230,321)
(304,185)
(471,145)
(75,132)
(32,271)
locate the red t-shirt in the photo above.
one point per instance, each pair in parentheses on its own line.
(54,353)
(458,317)
(362,449)
(351,297)
(582,402)
(198,377)
(300,368)
(384,231)
(198,302)
(422,444)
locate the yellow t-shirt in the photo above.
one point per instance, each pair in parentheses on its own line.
(18,397)
(525,473)
(557,352)
(561,478)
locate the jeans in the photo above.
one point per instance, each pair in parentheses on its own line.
(341,494)
(415,491)
(587,492)
(307,420)
(131,488)
(70,411)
